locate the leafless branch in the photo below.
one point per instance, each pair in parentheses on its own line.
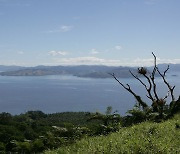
(166,95)
(147,89)
(171,89)
(153,77)
(128,88)
(150,86)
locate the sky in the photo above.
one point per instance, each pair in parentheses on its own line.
(89,32)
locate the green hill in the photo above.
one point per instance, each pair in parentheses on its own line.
(147,137)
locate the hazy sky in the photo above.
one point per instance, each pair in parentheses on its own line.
(69,32)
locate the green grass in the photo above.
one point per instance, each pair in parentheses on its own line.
(145,138)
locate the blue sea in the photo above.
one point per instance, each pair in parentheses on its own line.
(57,93)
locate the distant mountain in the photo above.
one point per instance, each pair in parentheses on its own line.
(91,71)
(172,67)
(4,68)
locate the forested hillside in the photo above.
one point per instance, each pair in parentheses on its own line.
(36,131)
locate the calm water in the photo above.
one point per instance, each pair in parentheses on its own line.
(67,93)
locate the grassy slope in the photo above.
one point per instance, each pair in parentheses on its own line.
(143,138)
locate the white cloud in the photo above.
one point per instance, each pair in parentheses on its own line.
(91,60)
(56,53)
(118,47)
(63,28)
(20,52)
(150,61)
(115,48)
(94,52)
(86,61)
(111,62)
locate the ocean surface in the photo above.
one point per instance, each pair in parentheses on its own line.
(55,93)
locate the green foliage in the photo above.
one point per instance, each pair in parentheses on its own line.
(36,131)
(5,118)
(109,110)
(2,148)
(146,137)
(22,147)
(160,111)
(174,107)
(109,122)
(38,145)
(35,115)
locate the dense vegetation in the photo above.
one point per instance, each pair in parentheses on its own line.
(143,138)
(36,131)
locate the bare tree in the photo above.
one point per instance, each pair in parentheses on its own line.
(158,103)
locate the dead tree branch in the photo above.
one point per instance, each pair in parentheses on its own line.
(171,88)
(128,88)
(147,89)
(153,77)
(158,103)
